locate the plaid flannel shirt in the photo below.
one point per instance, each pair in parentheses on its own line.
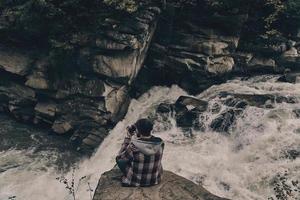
(141,169)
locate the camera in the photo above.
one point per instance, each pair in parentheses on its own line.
(131,129)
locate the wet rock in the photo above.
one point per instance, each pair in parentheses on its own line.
(285,186)
(216,108)
(292,154)
(225,120)
(290,78)
(164,108)
(117,102)
(257,100)
(172,187)
(187,118)
(188,111)
(235,102)
(286,99)
(297,113)
(191,103)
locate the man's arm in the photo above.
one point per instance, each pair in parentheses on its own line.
(125,152)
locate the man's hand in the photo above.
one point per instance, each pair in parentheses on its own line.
(130,130)
(128,134)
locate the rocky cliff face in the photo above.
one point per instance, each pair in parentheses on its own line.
(194,47)
(197,47)
(172,187)
(85,102)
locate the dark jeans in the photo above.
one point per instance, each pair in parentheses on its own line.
(122,165)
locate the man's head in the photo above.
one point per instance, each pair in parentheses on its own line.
(144,127)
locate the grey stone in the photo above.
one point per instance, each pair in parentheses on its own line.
(45,112)
(291,53)
(220,65)
(61,126)
(172,187)
(14,61)
(255,61)
(117,102)
(80,85)
(38,79)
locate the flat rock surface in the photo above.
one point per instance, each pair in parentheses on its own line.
(172,187)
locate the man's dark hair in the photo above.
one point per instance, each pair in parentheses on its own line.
(144,127)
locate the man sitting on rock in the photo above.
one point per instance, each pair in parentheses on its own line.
(140,156)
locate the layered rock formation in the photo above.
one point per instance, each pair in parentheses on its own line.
(194,47)
(172,187)
(198,47)
(87,101)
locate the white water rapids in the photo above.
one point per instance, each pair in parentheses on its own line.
(241,166)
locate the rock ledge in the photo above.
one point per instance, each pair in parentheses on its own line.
(173,187)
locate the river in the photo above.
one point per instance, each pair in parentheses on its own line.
(257,159)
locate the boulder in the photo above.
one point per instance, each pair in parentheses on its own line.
(122,50)
(61,126)
(290,78)
(191,103)
(291,53)
(225,120)
(188,111)
(45,112)
(220,65)
(38,78)
(297,113)
(18,100)
(37,81)
(164,108)
(257,100)
(117,103)
(118,65)
(292,154)
(172,187)
(261,64)
(14,61)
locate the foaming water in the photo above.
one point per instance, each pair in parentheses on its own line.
(240,165)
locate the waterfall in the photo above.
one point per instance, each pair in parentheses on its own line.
(244,164)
